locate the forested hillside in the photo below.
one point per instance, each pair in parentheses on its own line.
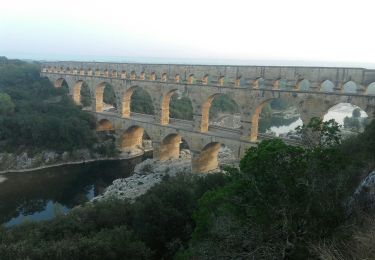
(35,115)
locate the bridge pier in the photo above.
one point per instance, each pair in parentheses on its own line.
(206,160)
(167,149)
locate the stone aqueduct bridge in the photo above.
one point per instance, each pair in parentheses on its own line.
(249,86)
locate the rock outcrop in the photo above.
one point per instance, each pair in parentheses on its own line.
(364,196)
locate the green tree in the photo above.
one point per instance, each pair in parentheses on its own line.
(356,113)
(6,104)
(284,199)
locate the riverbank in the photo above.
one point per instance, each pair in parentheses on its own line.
(122,156)
(150,172)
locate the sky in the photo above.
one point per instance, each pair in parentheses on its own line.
(274,32)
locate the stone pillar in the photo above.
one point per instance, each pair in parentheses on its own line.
(77,93)
(169,148)
(98,104)
(339,87)
(237,82)
(125,103)
(204,117)
(156,149)
(246,126)
(362,89)
(197,119)
(206,160)
(315,86)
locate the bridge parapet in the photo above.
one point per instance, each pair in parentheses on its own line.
(230,76)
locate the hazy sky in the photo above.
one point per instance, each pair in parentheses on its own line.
(310,30)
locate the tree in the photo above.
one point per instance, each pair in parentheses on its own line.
(356,113)
(6,104)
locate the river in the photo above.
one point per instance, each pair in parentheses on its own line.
(40,195)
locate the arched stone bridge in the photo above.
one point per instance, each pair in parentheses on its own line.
(311,90)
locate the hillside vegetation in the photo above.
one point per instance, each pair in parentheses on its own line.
(35,115)
(291,210)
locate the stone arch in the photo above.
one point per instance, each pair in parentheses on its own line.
(177,78)
(126,101)
(349,87)
(152,76)
(142,76)
(97,72)
(82,72)
(104,125)
(133,75)
(166,107)
(205,79)
(191,79)
(170,147)
(303,84)
(237,82)
(327,86)
(133,137)
(255,118)
(207,159)
(123,74)
(81,93)
(164,77)
(61,83)
(206,111)
(341,109)
(220,80)
(114,74)
(257,83)
(99,96)
(89,72)
(371,89)
(276,84)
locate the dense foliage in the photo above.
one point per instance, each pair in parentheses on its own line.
(181,108)
(141,102)
(259,212)
(36,115)
(156,225)
(278,212)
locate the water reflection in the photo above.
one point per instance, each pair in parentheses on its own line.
(279,125)
(41,194)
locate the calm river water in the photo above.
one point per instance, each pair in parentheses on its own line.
(41,194)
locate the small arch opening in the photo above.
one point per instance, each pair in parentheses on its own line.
(303,85)
(349,87)
(327,86)
(371,89)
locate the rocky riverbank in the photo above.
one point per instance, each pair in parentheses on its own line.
(150,172)
(25,161)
